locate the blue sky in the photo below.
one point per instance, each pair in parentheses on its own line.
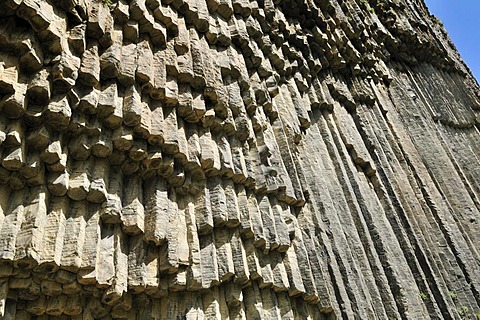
(461,18)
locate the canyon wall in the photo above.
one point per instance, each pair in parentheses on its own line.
(236,159)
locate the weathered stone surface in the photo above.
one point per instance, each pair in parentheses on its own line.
(236,159)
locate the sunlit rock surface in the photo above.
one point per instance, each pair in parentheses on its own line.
(236,159)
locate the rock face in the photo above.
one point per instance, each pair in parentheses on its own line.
(236,159)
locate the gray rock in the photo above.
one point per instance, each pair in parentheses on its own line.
(236,159)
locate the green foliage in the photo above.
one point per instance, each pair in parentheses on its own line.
(379,4)
(107,3)
(453,295)
(424,296)
(371,5)
(462,311)
(367,6)
(465,313)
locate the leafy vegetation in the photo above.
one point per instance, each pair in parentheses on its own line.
(462,311)
(424,296)
(453,295)
(367,6)
(108,3)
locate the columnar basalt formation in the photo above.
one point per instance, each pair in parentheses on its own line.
(236,159)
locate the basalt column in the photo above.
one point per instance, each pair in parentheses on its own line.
(236,159)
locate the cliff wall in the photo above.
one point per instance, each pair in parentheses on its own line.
(236,159)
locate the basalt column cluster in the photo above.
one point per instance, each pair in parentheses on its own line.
(236,159)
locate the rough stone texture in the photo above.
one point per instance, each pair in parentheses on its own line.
(236,159)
